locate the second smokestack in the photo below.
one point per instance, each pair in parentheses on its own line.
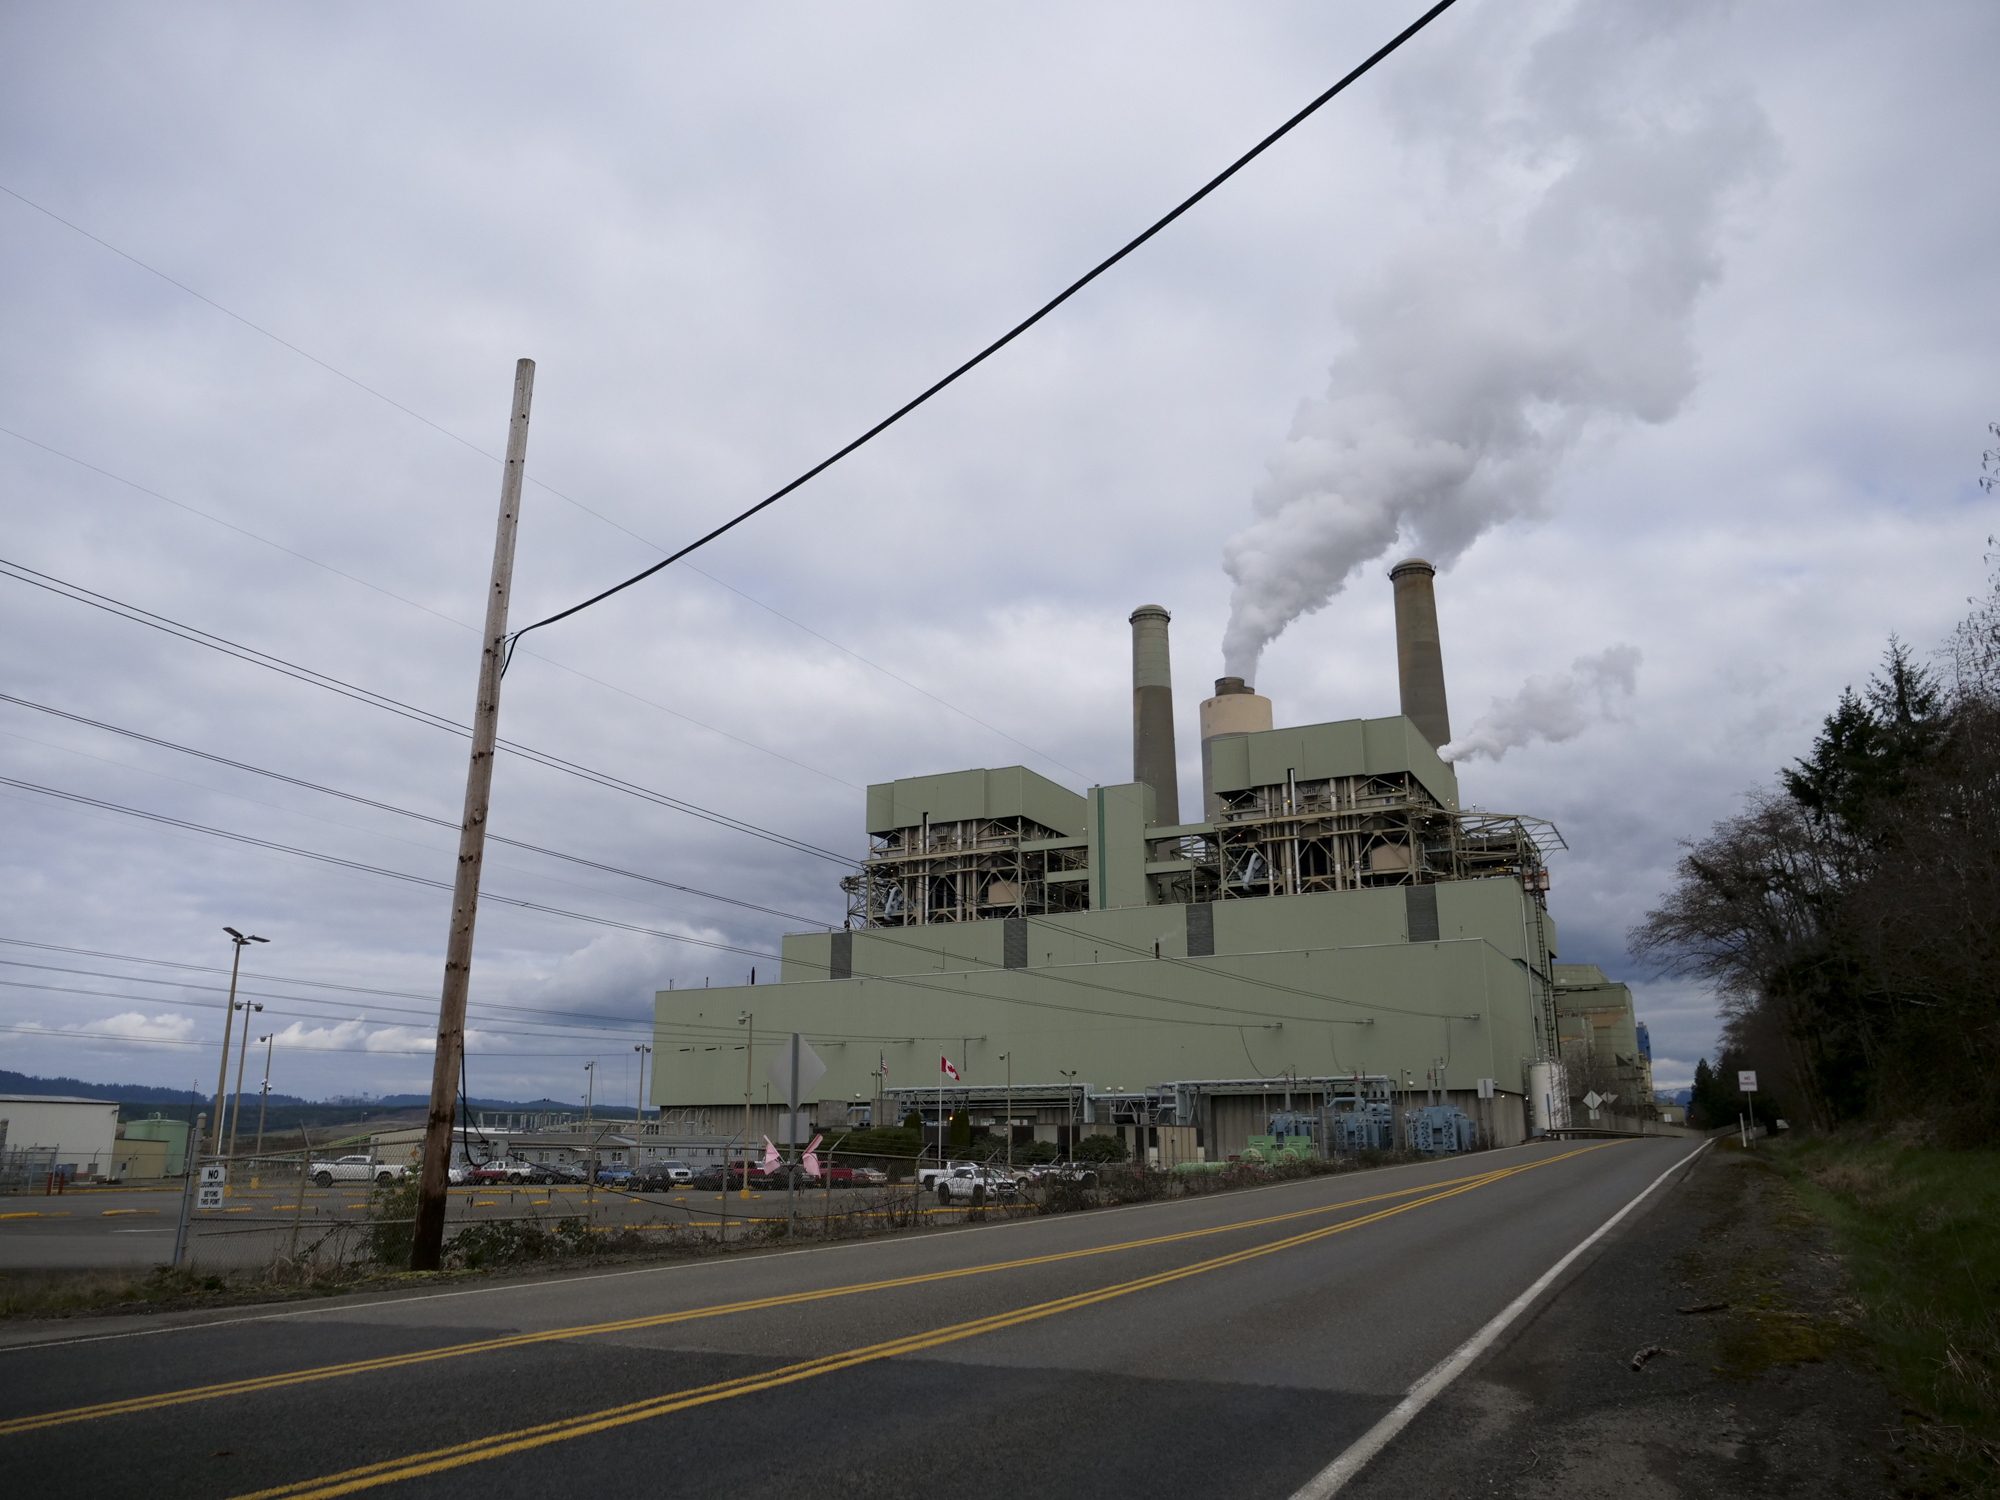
(1153,758)
(1236,709)
(1419,656)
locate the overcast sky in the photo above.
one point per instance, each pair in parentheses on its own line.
(1741,365)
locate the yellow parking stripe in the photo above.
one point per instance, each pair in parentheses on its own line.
(501,1445)
(659,1320)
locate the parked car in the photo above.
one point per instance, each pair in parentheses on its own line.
(713,1180)
(1080,1173)
(969,1184)
(927,1177)
(663,1177)
(614,1176)
(358,1169)
(503,1174)
(573,1173)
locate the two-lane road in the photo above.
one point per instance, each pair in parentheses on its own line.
(1229,1345)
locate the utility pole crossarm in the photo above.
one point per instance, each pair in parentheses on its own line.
(428,1251)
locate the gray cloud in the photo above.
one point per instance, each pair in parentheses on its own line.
(1552,288)
(1553,708)
(731,245)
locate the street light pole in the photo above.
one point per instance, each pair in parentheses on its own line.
(448,1062)
(1008,1059)
(264,1094)
(749,1053)
(1069,1110)
(242,1048)
(228,1021)
(639,1107)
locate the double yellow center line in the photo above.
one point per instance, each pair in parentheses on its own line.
(525,1439)
(255,1384)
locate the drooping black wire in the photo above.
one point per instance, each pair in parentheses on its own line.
(78,594)
(1011,334)
(390,807)
(366,869)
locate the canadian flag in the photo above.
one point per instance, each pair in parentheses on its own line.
(810,1161)
(944,1063)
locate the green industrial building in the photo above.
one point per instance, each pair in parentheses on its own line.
(1337,924)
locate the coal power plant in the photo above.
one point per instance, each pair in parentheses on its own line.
(1335,953)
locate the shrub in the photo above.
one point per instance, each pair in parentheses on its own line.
(392,1215)
(503,1242)
(1102,1148)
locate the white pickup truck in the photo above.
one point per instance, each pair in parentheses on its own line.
(358,1169)
(966,1182)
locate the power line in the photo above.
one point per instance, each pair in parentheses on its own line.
(558,665)
(136,615)
(404,812)
(912,981)
(448,619)
(534,1027)
(307,1014)
(367,869)
(1017,330)
(112,1038)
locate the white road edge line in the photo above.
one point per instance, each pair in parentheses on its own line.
(1428,1388)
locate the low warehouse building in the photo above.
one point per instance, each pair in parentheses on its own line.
(82,1133)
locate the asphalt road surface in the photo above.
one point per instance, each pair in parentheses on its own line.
(1231,1345)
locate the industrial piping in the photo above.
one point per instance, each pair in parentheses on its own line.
(1236,709)
(1153,759)
(1419,657)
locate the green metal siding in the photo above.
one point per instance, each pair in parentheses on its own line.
(1118,816)
(1348,747)
(1424,992)
(962,796)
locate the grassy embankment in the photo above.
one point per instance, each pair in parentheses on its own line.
(1920,1229)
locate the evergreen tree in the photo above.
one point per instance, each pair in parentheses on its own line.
(1707,1106)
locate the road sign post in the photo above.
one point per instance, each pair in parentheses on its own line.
(796,1068)
(187,1190)
(1746,1080)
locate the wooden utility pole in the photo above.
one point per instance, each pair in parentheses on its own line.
(428,1251)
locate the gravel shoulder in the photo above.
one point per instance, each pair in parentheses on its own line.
(1709,1349)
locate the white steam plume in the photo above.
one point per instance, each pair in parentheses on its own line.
(1552,708)
(1588,189)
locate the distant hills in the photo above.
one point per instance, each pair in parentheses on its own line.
(181,1102)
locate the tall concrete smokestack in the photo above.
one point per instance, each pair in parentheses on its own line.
(1419,658)
(1153,759)
(1235,709)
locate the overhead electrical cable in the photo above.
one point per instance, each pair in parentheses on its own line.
(168,963)
(404,812)
(441,723)
(227,647)
(367,869)
(1215,182)
(324,1010)
(538,656)
(1013,333)
(72,1037)
(906,980)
